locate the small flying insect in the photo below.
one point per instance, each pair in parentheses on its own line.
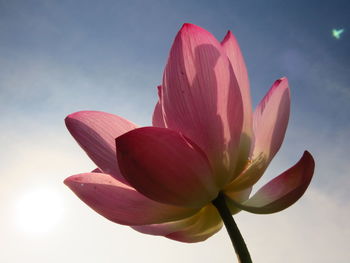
(337,32)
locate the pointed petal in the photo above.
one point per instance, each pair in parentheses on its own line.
(95,132)
(196,228)
(121,203)
(165,166)
(233,52)
(270,124)
(158,120)
(201,98)
(284,190)
(271,120)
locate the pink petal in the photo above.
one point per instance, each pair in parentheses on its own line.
(166,166)
(121,203)
(196,228)
(158,120)
(270,124)
(271,120)
(235,56)
(201,98)
(284,190)
(95,132)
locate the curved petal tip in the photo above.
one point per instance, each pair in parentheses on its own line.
(284,190)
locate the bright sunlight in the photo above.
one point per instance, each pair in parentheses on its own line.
(38,211)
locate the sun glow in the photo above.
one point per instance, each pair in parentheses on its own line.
(38,211)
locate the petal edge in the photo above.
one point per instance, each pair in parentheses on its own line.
(121,203)
(166,166)
(282,191)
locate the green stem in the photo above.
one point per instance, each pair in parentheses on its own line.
(232,229)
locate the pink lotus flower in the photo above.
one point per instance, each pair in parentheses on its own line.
(205,140)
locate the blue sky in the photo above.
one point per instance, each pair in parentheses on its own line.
(58,57)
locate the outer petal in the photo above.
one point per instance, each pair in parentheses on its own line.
(201,98)
(196,228)
(166,166)
(121,203)
(235,56)
(95,132)
(270,124)
(284,190)
(158,120)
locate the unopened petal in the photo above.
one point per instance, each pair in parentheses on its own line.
(284,190)
(121,203)
(166,166)
(95,132)
(196,228)
(201,98)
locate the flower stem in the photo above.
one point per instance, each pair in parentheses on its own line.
(232,229)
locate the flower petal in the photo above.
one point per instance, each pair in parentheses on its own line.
(249,176)
(95,132)
(196,228)
(158,120)
(270,124)
(235,56)
(201,98)
(166,166)
(271,120)
(97,170)
(282,191)
(239,196)
(121,203)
